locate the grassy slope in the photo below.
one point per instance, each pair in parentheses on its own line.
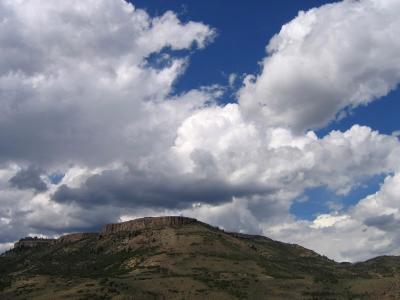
(189,262)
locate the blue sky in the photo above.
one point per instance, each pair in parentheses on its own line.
(321,200)
(243,30)
(110,113)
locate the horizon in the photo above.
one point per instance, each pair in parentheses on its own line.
(103,230)
(273,119)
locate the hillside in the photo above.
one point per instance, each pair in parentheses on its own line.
(182,258)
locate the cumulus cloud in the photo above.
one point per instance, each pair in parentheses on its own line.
(29,178)
(29,212)
(135,188)
(279,158)
(337,56)
(371,225)
(75,83)
(6,246)
(78,93)
(87,91)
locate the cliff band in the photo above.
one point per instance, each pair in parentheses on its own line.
(148,222)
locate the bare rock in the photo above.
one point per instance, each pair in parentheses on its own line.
(33,242)
(148,222)
(74,237)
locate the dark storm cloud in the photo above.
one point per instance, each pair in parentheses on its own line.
(386,222)
(134,188)
(29,178)
(86,220)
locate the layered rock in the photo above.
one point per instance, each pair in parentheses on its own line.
(74,237)
(33,242)
(148,222)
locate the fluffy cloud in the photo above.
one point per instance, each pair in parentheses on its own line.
(76,83)
(29,178)
(277,158)
(327,59)
(84,86)
(29,212)
(86,90)
(371,225)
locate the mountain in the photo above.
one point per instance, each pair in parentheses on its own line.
(182,258)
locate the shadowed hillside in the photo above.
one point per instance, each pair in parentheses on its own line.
(182,258)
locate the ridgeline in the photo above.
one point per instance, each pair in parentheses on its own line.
(182,258)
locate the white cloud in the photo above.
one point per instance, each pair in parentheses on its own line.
(383,203)
(276,158)
(327,220)
(369,228)
(75,83)
(328,58)
(6,246)
(78,95)
(232,79)
(82,94)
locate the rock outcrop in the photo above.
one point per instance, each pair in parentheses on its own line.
(148,222)
(33,242)
(133,225)
(74,237)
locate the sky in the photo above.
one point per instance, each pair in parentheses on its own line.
(272,118)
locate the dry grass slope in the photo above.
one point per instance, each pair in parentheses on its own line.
(187,260)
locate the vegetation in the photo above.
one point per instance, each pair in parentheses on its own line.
(191,261)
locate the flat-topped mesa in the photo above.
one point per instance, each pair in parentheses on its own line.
(148,222)
(74,237)
(33,242)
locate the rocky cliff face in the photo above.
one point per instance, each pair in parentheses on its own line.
(187,260)
(133,225)
(74,237)
(149,222)
(33,242)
